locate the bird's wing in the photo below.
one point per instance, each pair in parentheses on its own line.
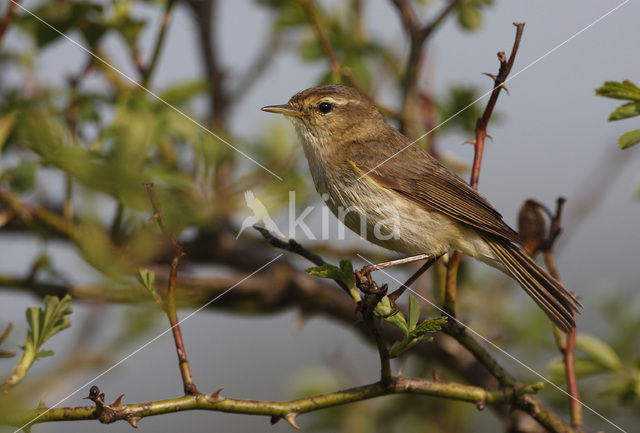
(421,178)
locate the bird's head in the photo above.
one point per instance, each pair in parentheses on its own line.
(332,115)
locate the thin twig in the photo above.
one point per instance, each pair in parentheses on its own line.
(148,70)
(417,35)
(481,134)
(338,70)
(567,347)
(170,305)
(498,85)
(5,334)
(12,7)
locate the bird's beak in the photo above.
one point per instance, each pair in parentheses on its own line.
(285,109)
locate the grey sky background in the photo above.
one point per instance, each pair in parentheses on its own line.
(553,139)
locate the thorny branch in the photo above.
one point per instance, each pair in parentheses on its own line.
(529,404)
(132,413)
(481,134)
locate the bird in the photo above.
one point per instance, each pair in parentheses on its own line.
(396,195)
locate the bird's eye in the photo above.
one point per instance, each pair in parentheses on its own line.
(325,107)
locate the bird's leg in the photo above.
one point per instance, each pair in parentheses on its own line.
(412,279)
(369,287)
(365,272)
(365,283)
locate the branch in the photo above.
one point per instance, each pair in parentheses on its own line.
(170,305)
(5,334)
(498,85)
(417,35)
(148,70)
(481,134)
(8,17)
(338,70)
(289,409)
(568,346)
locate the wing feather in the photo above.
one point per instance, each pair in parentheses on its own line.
(419,177)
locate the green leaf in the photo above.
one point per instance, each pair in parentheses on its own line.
(183,92)
(469,17)
(23,177)
(625,111)
(43,324)
(628,139)
(598,351)
(398,321)
(148,279)
(414,312)
(289,13)
(6,126)
(344,274)
(625,90)
(44,354)
(429,326)
(417,334)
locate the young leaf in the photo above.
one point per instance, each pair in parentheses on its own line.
(625,111)
(6,126)
(414,312)
(417,335)
(148,279)
(625,90)
(399,321)
(43,324)
(429,326)
(344,274)
(628,139)
(598,351)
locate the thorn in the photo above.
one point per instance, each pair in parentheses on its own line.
(470,142)
(41,405)
(493,77)
(435,375)
(291,419)
(505,88)
(481,404)
(133,420)
(489,137)
(274,419)
(117,405)
(214,397)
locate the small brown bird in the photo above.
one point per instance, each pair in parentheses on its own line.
(398,196)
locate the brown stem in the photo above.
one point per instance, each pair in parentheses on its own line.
(417,36)
(338,70)
(383,352)
(451,278)
(498,85)
(8,17)
(205,15)
(170,305)
(567,348)
(148,70)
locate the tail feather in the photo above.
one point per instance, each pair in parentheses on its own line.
(558,303)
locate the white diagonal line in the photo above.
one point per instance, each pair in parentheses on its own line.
(496,347)
(146,89)
(152,340)
(489,92)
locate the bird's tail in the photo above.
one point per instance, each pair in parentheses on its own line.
(559,304)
